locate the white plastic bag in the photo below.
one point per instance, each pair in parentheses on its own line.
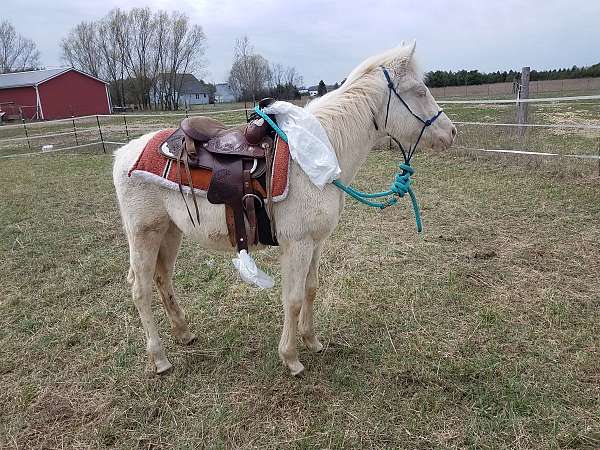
(308,141)
(250,273)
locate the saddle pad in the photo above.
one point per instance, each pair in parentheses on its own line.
(152,166)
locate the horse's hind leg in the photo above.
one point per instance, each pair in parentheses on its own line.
(306,325)
(295,262)
(163,277)
(144,244)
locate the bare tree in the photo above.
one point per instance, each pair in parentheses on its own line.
(279,72)
(284,82)
(114,44)
(17,53)
(139,58)
(140,52)
(250,72)
(81,49)
(183,50)
(292,77)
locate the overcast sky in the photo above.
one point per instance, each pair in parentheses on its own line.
(326,39)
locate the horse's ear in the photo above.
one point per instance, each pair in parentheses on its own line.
(413,47)
(402,56)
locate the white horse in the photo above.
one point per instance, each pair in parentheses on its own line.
(354,117)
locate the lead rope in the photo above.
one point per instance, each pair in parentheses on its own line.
(398,189)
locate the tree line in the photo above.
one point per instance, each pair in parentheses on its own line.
(143,53)
(140,52)
(441,78)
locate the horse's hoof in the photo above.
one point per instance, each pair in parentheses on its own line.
(313,345)
(296,369)
(163,366)
(188,339)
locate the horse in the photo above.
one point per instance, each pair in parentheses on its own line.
(356,116)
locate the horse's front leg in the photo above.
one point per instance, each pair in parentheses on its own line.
(306,325)
(296,257)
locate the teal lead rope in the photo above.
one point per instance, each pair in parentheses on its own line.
(397,190)
(400,187)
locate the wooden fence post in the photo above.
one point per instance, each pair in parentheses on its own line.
(522,107)
(101,137)
(75,131)
(26,132)
(126,128)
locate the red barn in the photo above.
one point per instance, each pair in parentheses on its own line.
(53,94)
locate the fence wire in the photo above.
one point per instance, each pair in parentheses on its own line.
(559,127)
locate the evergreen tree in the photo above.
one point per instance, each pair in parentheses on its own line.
(322,89)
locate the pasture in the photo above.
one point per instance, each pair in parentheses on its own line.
(481,333)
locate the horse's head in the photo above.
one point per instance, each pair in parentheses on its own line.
(406,109)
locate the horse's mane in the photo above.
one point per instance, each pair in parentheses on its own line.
(342,111)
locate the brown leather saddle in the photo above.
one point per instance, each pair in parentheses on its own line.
(240,160)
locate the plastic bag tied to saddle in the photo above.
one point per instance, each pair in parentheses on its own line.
(308,142)
(249,271)
(311,149)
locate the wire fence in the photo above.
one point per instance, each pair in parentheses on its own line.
(536,88)
(558,127)
(566,127)
(97,132)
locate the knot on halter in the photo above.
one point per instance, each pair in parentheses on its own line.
(401,183)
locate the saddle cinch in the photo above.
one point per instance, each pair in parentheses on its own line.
(240,160)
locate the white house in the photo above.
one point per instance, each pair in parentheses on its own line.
(224,94)
(191,91)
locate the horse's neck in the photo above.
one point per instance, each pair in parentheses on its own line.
(350,129)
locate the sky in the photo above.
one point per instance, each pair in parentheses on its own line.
(326,39)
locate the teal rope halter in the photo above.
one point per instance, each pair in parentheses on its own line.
(401,184)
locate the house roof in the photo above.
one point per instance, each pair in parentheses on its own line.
(34,77)
(223,88)
(190,84)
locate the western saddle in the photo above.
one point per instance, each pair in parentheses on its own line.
(240,160)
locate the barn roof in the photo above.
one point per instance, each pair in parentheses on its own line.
(33,77)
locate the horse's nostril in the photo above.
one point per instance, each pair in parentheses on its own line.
(453,132)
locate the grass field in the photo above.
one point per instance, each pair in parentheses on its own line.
(481,333)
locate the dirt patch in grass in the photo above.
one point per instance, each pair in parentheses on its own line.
(61,415)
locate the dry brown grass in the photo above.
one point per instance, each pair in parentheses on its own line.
(481,333)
